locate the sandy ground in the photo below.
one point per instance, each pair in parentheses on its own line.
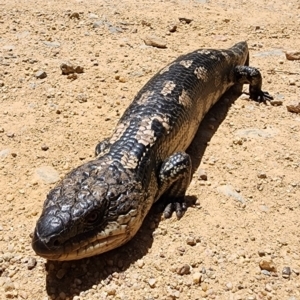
(240,240)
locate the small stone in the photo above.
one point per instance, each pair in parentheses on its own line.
(172,28)
(61,273)
(276,102)
(261,253)
(228,286)
(292,55)
(294,107)
(40,74)
(286,272)
(262,175)
(265,272)
(44,147)
(267,264)
(140,263)
(184,270)
(79,69)
(98,24)
(4,153)
(10,134)
(81,98)
(93,16)
(292,81)
(204,286)
(75,15)
(122,79)
(111,290)
(72,76)
(67,68)
(202,174)
(154,41)
(185,20)
(1,83)
(191,241)
(268,288)
(238,141)
(152,282)
(31,263)
(197,278)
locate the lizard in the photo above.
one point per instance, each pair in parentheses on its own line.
(101,204)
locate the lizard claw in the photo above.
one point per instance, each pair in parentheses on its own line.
(178,206)
(260,96)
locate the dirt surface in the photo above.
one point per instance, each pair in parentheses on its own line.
(240,240)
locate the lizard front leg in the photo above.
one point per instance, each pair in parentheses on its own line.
(174,178)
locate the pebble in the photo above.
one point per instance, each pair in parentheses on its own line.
(68,68)
(4,153)
(185,20)
(75,15)
(31,263)
(191,241)
(152,282)
(268,288)
(228,286)
(111,290)
(262,175)
(98,24)
(292,55)
(140,263)
(44,147)
(93,16)
(294,107)
(184,270)
(202,174)
(197,278)
(172,28)
(47,174)
(267,264)
(276,102)
(81,98)
(286,272)
(40,74)
(154,41)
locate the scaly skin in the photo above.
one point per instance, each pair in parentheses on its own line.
(102,204)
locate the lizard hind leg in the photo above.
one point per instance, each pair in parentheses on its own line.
(174,179)
(251,76)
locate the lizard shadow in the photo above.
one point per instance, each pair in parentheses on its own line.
(73,278)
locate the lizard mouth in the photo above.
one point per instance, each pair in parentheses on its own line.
(102,242)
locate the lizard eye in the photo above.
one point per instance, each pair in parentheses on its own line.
(92,217)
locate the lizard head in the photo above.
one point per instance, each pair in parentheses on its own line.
(95,208)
